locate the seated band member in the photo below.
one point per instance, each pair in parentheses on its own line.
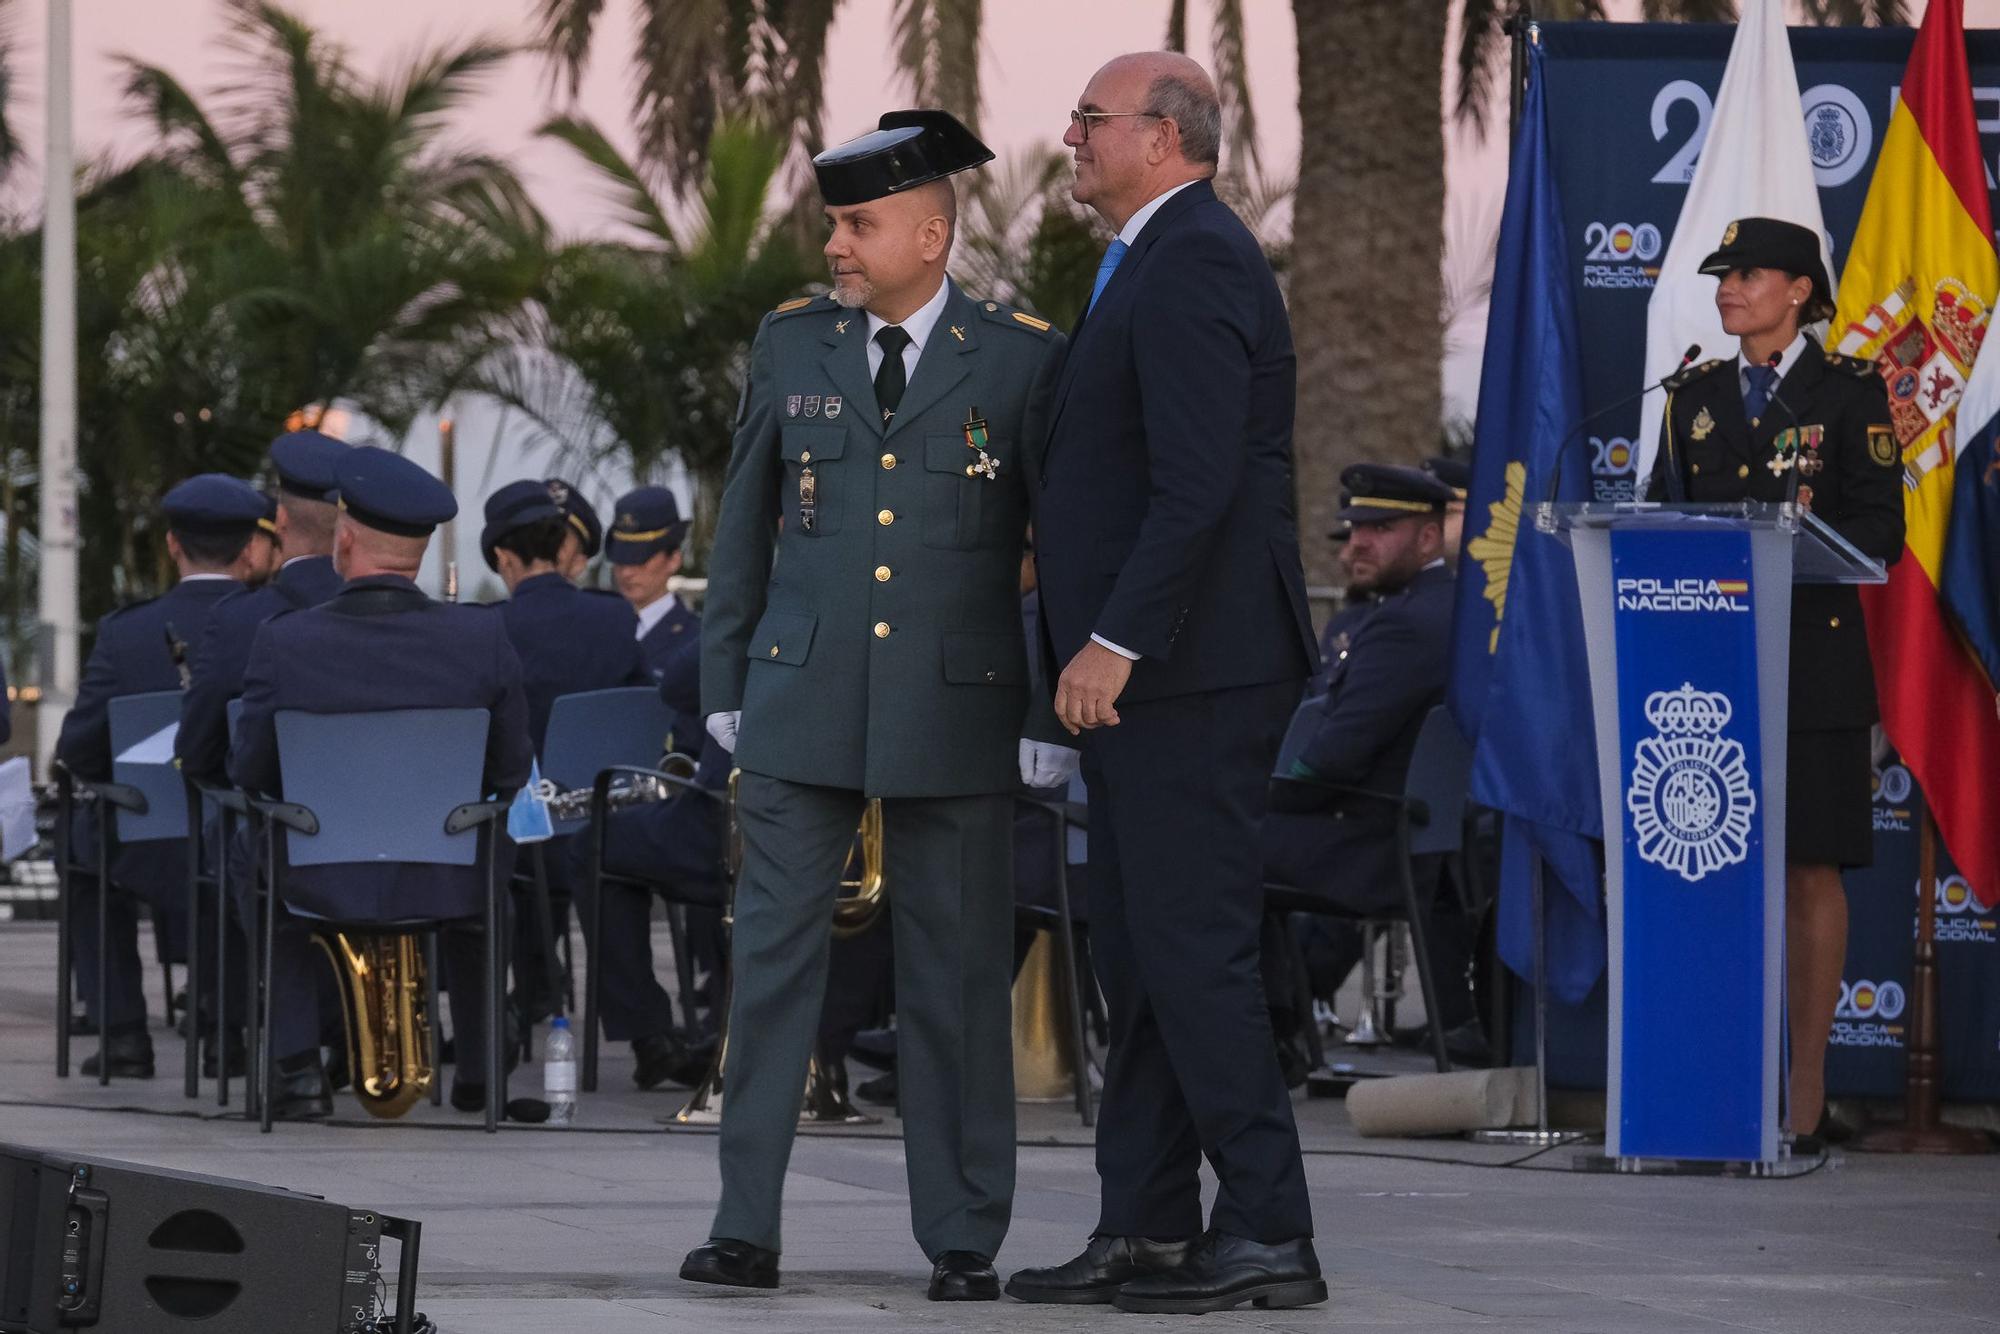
(586,535)
(644,549)
(567,640)
(379,643)
(140,649)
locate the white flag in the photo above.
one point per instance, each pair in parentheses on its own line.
(1754,164)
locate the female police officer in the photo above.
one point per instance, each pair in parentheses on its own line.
(1786,419)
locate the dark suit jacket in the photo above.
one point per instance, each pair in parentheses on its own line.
(379,644)
(1858,492)
(1165,520)
(131,657)
(223,652)
(1361,732)
(568,641)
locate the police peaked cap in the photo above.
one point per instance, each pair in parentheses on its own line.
(386,491)
(1454,473)
(1771,243)
(908,148)
(581,515)
(1383,492)
(215,504)
(303,461)
(645,521)
(515,506)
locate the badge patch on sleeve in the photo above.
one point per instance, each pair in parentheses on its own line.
(1882,445)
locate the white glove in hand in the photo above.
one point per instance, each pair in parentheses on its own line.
(1044,764)
(722,726)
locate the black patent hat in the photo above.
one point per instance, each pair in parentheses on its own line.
(908,148)
(1771,243)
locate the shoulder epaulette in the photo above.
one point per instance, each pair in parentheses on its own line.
(795,305)
(1018,319)
(1693,373)
(1845,365)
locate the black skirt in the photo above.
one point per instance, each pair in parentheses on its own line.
(1829,798)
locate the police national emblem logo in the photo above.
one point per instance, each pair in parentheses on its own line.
(558,491)
(1729,235)
(1690,798)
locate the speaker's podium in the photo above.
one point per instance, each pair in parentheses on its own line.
(1687,621)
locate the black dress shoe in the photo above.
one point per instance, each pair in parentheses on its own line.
(881,1090)
(82,1026)
(1093,1278)
(665,1059)
(130,1054)
(1222,1272)
(302,1094)
(964,1276)
(233,1046)
(737,1264)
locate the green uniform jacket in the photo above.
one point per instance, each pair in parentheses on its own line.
(882,648)
(1858,490)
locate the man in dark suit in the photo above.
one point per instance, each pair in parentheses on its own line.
(380,643)
(140,649)
(1174,604)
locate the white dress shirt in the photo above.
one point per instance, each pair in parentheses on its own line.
(653,613)
(918,326)
(1128,234)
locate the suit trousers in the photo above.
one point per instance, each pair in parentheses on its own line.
(1177,790)
(948,871)
(124,985)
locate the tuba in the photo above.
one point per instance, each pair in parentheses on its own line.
(385,1002)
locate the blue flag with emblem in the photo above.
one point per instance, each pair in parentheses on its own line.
(1519,684)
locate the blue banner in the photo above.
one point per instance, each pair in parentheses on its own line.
(1629,105)
(1692,921)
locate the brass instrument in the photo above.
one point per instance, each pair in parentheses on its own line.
(863,891)
(625,790)
(385,1002)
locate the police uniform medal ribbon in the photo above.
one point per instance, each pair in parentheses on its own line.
(976,439)
(808,498)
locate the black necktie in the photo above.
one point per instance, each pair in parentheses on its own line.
(889,378)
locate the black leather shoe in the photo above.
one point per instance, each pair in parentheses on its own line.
(233,1046)
(964,1276)
(881,1090)
(1094,1278)
(301,1095)
(736,1264)
(130,1054)
(1222,1272)
(665,1059)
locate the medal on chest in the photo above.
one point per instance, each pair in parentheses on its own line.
(987,466)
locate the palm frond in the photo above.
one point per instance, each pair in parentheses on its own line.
(563,29)
(1176,27)
(176,117)
(937,53)
(1232,77)
(627,190)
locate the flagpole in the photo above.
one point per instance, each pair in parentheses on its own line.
(57,562)
(1922,1131)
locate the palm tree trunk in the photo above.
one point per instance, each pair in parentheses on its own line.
(1365,287)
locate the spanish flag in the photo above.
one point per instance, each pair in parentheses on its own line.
(1915,296)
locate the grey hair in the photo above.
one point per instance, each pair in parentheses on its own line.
(1192,108)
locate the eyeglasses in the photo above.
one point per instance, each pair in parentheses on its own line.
(1081,119)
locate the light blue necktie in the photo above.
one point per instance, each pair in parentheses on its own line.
(1763,382)
(1112,254)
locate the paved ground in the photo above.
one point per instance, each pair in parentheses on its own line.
(580,1230)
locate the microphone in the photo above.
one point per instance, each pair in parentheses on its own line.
(1555,470)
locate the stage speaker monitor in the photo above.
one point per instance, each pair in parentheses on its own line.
(91,1244)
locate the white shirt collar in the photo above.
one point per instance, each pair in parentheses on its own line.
(192,578)
(1137,222)
(653,613)
(1786,360)
(918,326)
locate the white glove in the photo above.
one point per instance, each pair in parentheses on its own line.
(1044,764)
(722,726)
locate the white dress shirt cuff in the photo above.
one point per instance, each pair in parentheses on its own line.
(1121,652)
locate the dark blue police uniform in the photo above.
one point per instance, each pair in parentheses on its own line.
(380,643)
(141,649)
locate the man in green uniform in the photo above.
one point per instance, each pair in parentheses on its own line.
(862,639)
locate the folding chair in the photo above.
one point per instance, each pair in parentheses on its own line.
(684,789)
(589,731)
(146,800)
(402,785)
(1430,822)
(1071,820)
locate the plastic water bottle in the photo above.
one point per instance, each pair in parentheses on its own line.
(559,1073)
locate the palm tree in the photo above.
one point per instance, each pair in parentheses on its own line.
(1366,291)
(306,236)
(637,350)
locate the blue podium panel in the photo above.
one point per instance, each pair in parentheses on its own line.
(1691,1054)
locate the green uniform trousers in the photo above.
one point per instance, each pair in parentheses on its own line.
(948,866)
